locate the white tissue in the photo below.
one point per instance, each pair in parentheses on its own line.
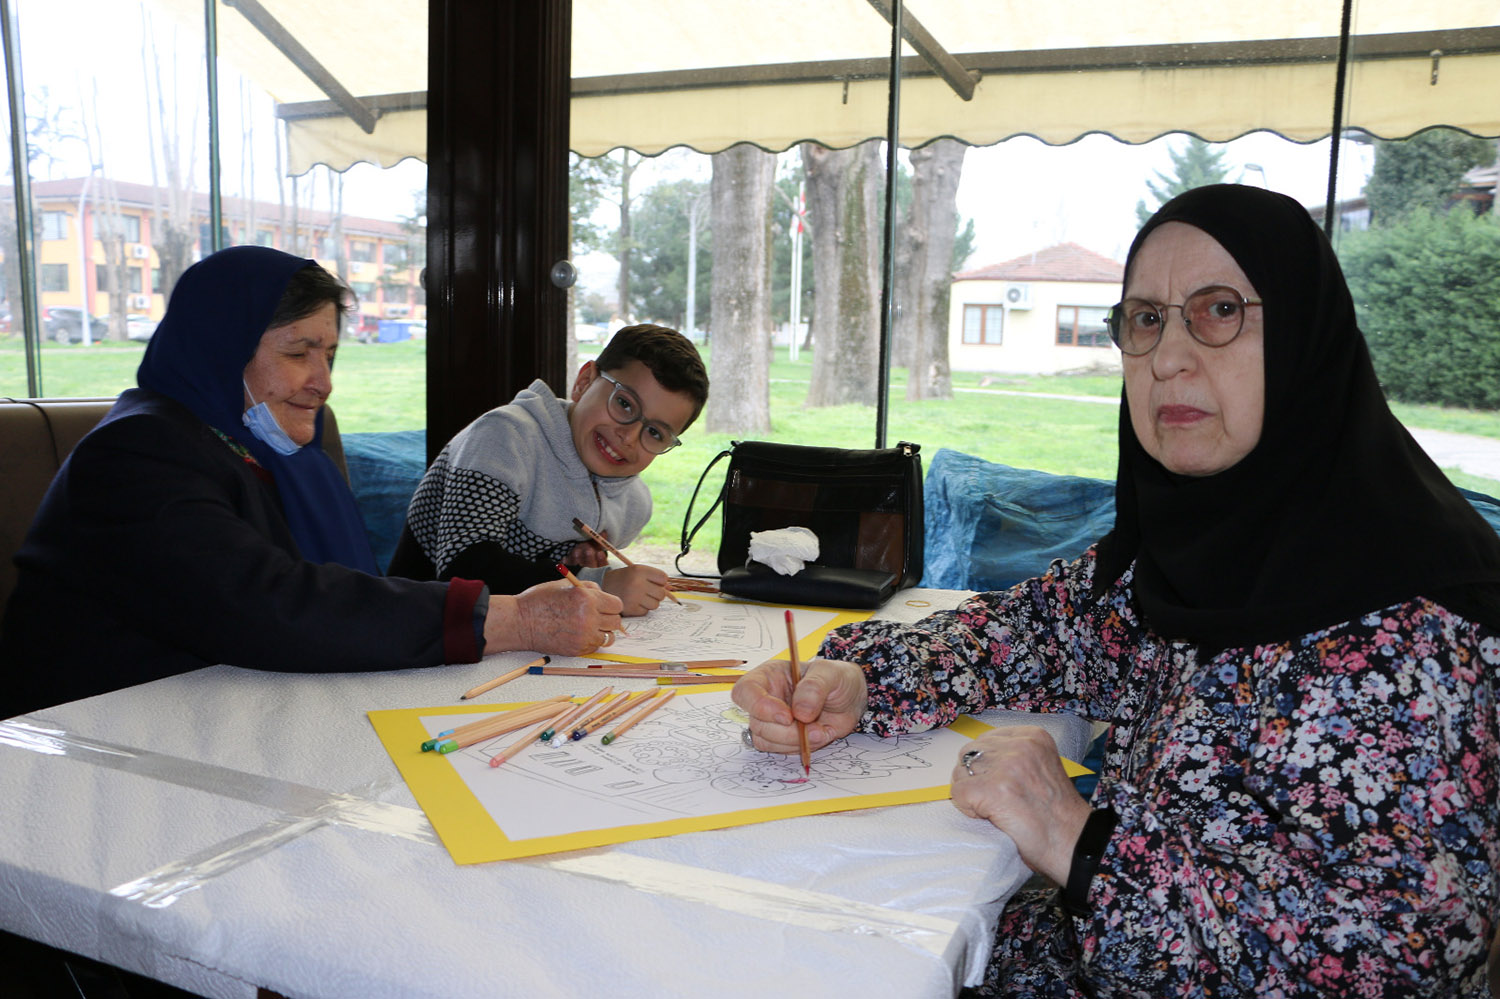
(786,550)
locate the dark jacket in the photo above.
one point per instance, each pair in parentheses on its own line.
(158,550)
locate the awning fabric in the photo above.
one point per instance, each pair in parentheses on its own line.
(653,74)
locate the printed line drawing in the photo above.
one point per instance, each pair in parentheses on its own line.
(712,629)
(687,760)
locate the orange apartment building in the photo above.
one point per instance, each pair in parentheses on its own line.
(381,259)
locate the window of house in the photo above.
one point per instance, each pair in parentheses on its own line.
(983,323)
(131,278)
(130,225)
(362,250)
(54,225)
(54,277)
(265,237)
(1082,326)
(364,289)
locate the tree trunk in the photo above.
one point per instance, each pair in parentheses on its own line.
(841,187)
(624,237)
(740,314)
(930,232)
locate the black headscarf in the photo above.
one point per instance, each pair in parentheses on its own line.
(1336,511)
(220,307)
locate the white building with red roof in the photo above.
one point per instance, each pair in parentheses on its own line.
(1040,313)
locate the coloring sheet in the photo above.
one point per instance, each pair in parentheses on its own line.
(682,769)
(712,628)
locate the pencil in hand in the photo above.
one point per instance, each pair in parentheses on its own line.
(791,637)
(603,542)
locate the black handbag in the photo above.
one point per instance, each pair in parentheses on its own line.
(865,506)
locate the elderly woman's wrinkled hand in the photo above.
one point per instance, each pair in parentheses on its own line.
(829,700)
(557,618)
(1015,779)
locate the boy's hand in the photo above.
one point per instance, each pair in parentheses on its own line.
(587,555)
(641,588)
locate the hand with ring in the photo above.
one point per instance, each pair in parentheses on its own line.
(1023,791)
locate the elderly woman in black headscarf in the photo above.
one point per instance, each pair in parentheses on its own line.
(1293,631)
(201,522)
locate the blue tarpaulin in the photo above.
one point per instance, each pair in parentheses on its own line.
(989,526)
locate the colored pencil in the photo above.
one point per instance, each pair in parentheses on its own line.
(503,678)
(603,542)
(676,679)
(589,725)
(601,708)
(497,724)
(650,706)
(672,664)
(526,740)
(577,713)
(625,674)
(688,585)
(791,637)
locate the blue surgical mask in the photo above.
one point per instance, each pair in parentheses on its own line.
(265,428)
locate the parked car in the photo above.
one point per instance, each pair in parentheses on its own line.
(139,328)
(64,323)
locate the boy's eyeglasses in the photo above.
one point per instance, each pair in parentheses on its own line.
(625,407)
(1213,316)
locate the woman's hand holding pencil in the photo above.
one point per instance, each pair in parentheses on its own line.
(829,701)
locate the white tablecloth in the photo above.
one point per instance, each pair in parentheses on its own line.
(229,828)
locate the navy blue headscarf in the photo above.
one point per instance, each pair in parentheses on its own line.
(197,356)
(1336,511)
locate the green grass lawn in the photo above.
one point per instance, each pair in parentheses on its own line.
(382,387)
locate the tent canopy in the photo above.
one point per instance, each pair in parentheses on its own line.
(653,74)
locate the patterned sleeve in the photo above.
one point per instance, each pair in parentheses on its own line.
(466,521)
(1346,847)
(1046,644)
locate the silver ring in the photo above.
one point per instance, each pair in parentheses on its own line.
(747,739)
(969,757)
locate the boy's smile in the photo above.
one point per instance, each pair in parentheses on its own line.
(606,446)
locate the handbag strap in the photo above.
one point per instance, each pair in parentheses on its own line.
(687,535)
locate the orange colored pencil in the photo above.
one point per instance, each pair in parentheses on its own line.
(603,542)
(525,740)
(578,712)
(638,716)
(503,678)
(588,726)
(514,718)
(791,637)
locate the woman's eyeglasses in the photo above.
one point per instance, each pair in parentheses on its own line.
(1213,316)
(625,407)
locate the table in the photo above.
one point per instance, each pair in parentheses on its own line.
(230,829)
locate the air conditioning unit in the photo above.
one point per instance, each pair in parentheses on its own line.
(139,251)
(1018,296)
(140,301)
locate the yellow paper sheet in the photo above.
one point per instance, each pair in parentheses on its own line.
(696,776)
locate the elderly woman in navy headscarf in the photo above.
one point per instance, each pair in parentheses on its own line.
(1293,632)
(201,522)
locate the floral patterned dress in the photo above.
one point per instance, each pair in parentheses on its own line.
(1319,817)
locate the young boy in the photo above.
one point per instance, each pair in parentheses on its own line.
(498,503)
